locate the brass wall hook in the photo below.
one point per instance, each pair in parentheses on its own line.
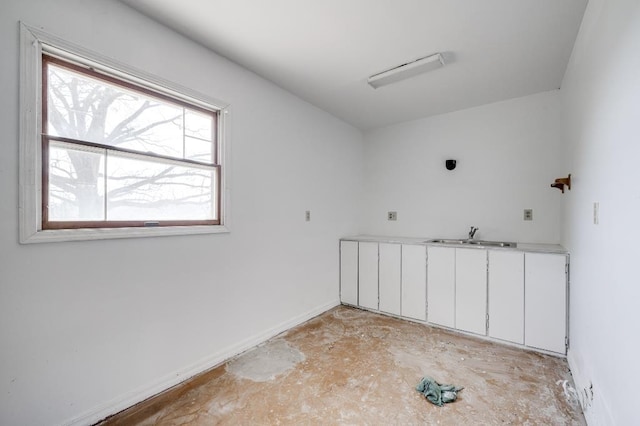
(560,183)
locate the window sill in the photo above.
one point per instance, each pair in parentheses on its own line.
(59,235)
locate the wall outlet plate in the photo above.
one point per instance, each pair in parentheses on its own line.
(392,216)
(528,214)
(307,216)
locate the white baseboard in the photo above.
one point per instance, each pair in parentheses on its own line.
(138,395)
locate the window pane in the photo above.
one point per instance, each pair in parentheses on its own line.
(198,136)
(197,149)
(89,109)
(198,125)
(138,189)
(76,183)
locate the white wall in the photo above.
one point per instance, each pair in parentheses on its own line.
(601,113)
(90,327)
(508,155)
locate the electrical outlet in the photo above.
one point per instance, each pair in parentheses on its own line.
(307,216)
(596,213)
(528,214)
(392,216)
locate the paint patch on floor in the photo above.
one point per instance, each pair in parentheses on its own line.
(266,362)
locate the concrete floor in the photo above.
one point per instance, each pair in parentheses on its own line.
(349,366)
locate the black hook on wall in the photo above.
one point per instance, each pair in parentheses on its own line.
(450,164)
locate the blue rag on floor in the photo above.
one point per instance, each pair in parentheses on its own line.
(436,393)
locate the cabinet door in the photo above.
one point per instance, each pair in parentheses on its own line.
(471,290)
(545,298)
(368,275)
(441,285)
(506,295)
(349,272)
(389,278)
(414,282)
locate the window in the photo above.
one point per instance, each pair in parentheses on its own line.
(117,155)
(114,153)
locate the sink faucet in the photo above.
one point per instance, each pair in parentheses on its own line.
(472,232)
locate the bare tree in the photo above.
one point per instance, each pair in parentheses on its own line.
(87,110)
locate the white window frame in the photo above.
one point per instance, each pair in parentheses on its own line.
(33,42)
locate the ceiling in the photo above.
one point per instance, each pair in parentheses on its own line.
(324,51)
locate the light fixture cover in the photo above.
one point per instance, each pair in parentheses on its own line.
(408,70)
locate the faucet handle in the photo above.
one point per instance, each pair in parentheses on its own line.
(472,232)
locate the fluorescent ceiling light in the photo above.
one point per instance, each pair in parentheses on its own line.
(407,70)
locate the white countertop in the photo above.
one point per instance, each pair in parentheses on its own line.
(529,247)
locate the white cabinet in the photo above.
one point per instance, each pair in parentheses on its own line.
(349,272)
(414,282)
(368,275)
(457,288)
(523,294)
(441,285)
(506,295)
(471,290)
(389,277)
(545,301)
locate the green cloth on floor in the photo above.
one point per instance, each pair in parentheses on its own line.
(436,393)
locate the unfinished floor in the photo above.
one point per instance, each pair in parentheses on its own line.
(349,366)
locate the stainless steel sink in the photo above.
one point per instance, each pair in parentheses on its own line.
(479,243)
(443,241)
(493,243)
